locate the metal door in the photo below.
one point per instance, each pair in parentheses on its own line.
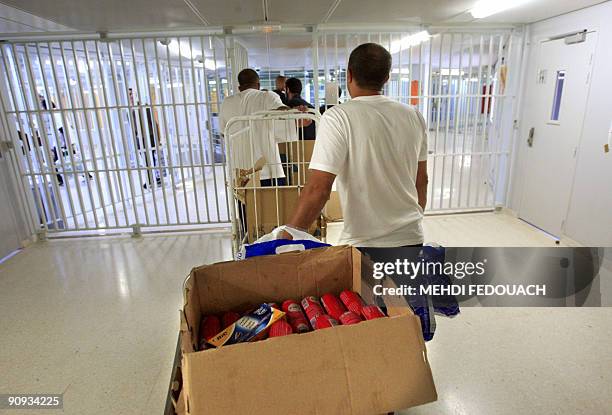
(557,91)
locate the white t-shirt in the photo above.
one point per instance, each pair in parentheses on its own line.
(373,144)
(262,133)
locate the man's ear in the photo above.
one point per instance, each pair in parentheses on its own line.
(349,75)
(387,78)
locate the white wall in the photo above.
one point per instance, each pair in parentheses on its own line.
(589,219)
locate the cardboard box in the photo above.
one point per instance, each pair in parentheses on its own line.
(262,215)
(373,367)
(297,153)
(333,209)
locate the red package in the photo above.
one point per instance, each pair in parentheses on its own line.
(280,328)
(370,312)
(209,326)
(323,321)
(296,316)
(313,308)
(352,301)
(333,306)
(229,318)
(349,318)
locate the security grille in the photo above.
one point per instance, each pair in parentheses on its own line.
(124,133)
(120,133)
(461,83)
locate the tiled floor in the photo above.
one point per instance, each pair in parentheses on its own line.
(473,229)
(97,318)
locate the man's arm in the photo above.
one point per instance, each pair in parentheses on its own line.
(312,199)
(421,183)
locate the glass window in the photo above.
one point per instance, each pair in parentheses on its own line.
(556,106)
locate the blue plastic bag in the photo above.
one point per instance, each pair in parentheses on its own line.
(270,244)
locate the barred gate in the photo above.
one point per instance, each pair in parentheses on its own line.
(119,133)
(464,83)
(123,133)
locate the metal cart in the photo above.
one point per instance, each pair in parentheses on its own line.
(267,166)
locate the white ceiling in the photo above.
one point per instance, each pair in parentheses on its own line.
(138,15)
(14,20)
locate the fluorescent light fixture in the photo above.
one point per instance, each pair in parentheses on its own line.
(409,41)
(485,8)
(266,26)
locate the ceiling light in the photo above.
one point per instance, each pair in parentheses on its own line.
(266,26)
(409,41)
(485,8)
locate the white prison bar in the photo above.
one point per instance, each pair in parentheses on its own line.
(69,74)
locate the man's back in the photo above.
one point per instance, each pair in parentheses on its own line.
(245,103)
(373,145)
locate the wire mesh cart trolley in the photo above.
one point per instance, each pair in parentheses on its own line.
(268,154)
(267,166)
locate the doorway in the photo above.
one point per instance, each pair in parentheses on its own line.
(556,94)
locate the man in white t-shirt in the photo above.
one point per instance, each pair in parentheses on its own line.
(377,149)
(262,134)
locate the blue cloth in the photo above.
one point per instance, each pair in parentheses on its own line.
(269,247)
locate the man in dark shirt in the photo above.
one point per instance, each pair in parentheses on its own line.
(294,91)
(152,131)
(280,88)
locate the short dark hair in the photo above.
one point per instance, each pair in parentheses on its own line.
(247,77)
(294,85)
(370,65)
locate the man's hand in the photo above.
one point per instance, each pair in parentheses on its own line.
(303,122)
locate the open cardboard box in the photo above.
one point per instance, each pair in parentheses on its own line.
(297,153)
(373,367)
